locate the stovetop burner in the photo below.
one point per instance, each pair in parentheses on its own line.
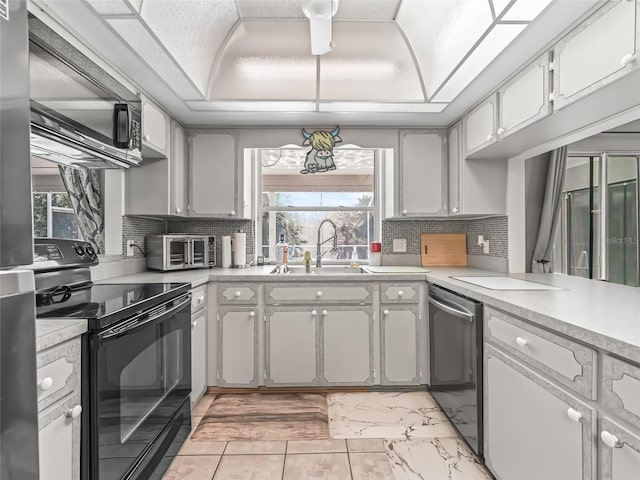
(103,304)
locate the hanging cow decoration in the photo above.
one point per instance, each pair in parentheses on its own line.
(320,157)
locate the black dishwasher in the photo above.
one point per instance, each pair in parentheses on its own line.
(455,354)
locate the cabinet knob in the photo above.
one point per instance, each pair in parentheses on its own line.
(500,131)
(232,213)
(73,412)
(194,324)
(489,137)
(574,415)
(324,313)
(252,314)
(146,138)
(521,342)
(318,293)
(628,59)
(314,312)
(385,312)
(455,209)
(46,383)
(400,293)
(404,212)
(178,210)
(199,300)
(237,294)
(610,440)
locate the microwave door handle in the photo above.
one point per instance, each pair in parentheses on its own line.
(451,310)
(131,325)
(191,252)
(187,252)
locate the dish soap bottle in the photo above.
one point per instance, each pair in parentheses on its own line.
(282,251)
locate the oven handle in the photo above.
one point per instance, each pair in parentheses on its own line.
(451,310)
(133,325)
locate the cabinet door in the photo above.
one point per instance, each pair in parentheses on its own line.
(291,346)
(619,460)
(533,429)
(213,174)
(479,126)
(198,355)
(155,130)
(454,159)
(525,98)
(347,345)
(399,352)
(237,347)
(422,174)
(178,166)
(59,441)
(602,49)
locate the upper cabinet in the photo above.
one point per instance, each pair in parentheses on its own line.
(217,177)
(602,49)
(155,131)
(422,179)
(158,187)
(525,98)
(479,126)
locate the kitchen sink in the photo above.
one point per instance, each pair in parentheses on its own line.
(326,270)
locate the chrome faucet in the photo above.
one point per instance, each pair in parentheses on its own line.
(335,240)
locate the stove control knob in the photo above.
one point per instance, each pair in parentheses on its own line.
(90,251)
(79,250)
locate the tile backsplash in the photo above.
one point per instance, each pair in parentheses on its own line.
(136,228)
(494,229)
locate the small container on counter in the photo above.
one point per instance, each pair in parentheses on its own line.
(375,254)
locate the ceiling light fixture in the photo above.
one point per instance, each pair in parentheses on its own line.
(320,14)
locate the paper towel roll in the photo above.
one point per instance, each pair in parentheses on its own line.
(239,249)
(226,252)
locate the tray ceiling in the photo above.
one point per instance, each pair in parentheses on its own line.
(238,61)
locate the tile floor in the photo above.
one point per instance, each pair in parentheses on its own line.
(381,436)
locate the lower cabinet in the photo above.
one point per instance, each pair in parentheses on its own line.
(533,429)
(59,440)
(619,452)
(399,356)
(291,340)
(347,353)
(237,347)
(198,354)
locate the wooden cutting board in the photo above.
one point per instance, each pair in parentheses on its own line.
(443,249)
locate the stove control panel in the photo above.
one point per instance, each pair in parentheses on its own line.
(57,253)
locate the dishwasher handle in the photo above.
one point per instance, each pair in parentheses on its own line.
(451,310)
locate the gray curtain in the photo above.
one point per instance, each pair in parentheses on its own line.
(83,186)
(543,251)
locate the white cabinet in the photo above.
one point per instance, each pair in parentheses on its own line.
(399,356)
(216,187)
(421,174)
(600,50)
(198,355)
(479,126)
(237,347)
(533,429)
(291,346)
(155,131)
(476,186)
(59,440)
(525,98)
(347,351)
(619,452)
(159,187)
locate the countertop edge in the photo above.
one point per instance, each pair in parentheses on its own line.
(51,332)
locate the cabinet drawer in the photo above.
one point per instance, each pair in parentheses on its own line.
(59,441)
(400,292)
(621,389)
(564,360)
(359,293)
(238,293)
(58,372)
(198,298)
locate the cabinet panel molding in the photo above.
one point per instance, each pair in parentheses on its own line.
(621,462)
(621,389)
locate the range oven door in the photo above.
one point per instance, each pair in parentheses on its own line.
(455,354)
(140,376)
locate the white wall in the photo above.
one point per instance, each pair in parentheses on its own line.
(113,210)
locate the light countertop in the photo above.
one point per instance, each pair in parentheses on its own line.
(598,313)
(50,332)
